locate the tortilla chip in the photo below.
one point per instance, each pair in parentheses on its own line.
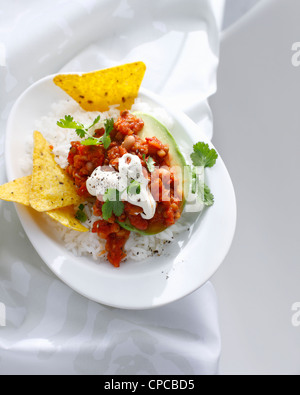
(98,90)
(51,187)
(66,216)
(16,191)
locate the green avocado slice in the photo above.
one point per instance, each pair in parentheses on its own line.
(152,127)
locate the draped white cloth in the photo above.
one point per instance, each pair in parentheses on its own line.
(50,329)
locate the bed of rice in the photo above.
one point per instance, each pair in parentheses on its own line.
(138,247)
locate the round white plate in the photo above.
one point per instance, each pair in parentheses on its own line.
(190,260)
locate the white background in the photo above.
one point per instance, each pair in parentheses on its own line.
(257,118)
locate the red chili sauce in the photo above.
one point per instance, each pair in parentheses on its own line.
(83,160)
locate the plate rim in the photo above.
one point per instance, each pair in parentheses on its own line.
(179,115)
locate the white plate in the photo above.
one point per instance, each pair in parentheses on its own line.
(191,260)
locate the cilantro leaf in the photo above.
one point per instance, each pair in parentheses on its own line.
(69,123)
(95,122)
(194,179)
(90,141)
(118,208)
(105,139)
(201,188)
(111,195)
(109,125)
(208,196)
(150,162)
(112,205)
(80,133)
(134,188)
(81,215)
(203,155)
(107,210)
(83,131)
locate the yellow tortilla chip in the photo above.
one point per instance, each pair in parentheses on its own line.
(66,216)
(16,191)
(98,90)
(51,187)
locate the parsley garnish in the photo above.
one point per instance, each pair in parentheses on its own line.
(202,190)
(81,215)
(208,196)
(112,200)
(69,123)
(90,141)
(194,179)
(112,205)
(134,188)
(150,162)
(83,131)
(109,125)
(205,157)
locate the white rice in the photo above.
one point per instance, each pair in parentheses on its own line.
(138,247)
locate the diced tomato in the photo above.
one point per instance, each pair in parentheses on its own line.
(128,124)
(83,160)
(116,239)
(115,246)
(104,228)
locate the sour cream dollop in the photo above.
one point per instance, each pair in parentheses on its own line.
(130,169)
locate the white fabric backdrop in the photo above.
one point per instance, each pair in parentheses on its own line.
(49,328)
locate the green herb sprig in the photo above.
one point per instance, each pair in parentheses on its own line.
(206,157)
(80,214)
(134,188)
(83,131)
(203,155)
(150,162)
(113,204)
(113,200)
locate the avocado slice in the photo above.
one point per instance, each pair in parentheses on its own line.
(152,127)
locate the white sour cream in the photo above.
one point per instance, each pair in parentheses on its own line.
(130,168)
